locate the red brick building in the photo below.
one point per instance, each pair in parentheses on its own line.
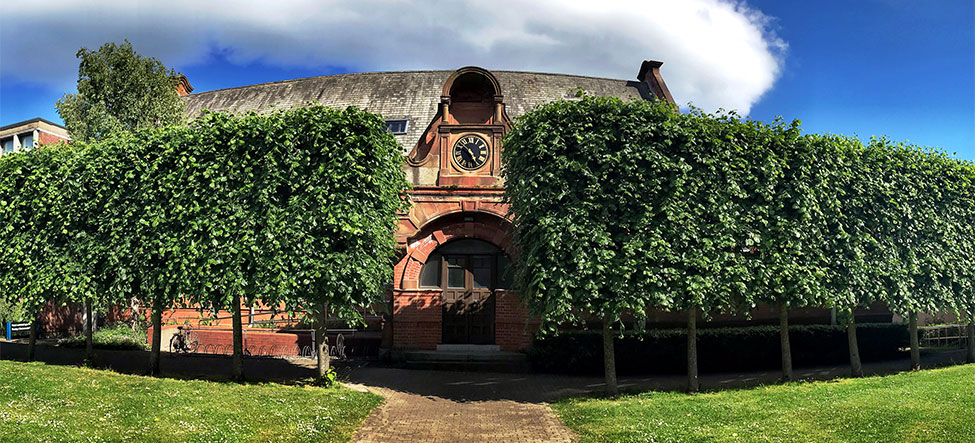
(451,283)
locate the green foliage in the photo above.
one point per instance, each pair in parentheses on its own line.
(623,206)
(59,403)
(328,380)
(296,207)
(31,231)
(119,90)
(753,348)
(11,310)
(933,405)
(117,336)
(588,187)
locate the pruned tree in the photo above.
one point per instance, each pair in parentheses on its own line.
(915,225)
(295,207)
(787,222)
(587,182)
(853,277)
(705,226)
(335,185)
(91,210)
(30,263)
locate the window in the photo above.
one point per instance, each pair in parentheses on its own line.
(485,263)
(430,275)
(397,127)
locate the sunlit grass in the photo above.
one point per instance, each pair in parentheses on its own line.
(935,405)
(60,403)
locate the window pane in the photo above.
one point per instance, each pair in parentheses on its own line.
(468,246)
(396,126)
(482,271)
(430,275)
(455,277)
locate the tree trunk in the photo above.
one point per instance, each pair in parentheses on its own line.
(89,339)
(321,343)
(856,368)
(693,384)
(32,341)
(971,342)
(609,357)
(784,343)
(156,336)
(238,375)
(915,346)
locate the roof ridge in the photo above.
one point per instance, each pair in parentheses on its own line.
(320,76)
(417,71)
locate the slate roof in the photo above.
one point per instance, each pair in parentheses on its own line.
(412,95)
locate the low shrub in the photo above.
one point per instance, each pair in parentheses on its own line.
(664,351)
(117,336)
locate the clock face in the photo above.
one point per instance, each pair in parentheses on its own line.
(470,152)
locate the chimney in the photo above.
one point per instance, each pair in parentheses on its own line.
(650,74)
(183,87)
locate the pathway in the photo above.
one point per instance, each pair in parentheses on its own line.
(438,406)
(442,406)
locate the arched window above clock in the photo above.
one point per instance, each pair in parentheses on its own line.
(472,93)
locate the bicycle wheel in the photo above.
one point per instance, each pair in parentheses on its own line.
(173,343)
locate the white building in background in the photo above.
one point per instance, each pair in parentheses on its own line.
(30,134)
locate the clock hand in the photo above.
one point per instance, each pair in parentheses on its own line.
(468,148)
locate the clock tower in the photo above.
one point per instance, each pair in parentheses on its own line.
(464,140)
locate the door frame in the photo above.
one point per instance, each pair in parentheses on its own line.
(471,298)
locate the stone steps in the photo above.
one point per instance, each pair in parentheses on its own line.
(471,358)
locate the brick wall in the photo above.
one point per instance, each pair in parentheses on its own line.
(60,320)
(417,316)
(44,138)
(513,327)
(256,342)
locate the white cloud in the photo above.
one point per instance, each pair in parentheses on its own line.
(717,53)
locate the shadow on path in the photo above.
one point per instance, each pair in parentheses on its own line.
(547,388)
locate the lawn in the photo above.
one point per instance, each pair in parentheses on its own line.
(117,336)
(62,403)
(933,405)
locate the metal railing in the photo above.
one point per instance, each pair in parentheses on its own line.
(944,336)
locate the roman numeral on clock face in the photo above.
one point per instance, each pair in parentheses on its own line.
(470,152)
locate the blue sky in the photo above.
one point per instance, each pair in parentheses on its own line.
(870,67)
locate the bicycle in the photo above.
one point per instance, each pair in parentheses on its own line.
(184,341)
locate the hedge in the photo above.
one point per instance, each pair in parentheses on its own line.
(664,351)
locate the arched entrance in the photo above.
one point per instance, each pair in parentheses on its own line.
(470,272)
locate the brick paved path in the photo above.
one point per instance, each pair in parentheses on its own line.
(437,406)
(441,406)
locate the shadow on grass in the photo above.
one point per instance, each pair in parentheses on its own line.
(218,368)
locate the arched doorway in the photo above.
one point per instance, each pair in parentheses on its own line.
(469,272)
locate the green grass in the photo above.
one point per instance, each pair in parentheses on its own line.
(928,406)
(117,336)
(62,403)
